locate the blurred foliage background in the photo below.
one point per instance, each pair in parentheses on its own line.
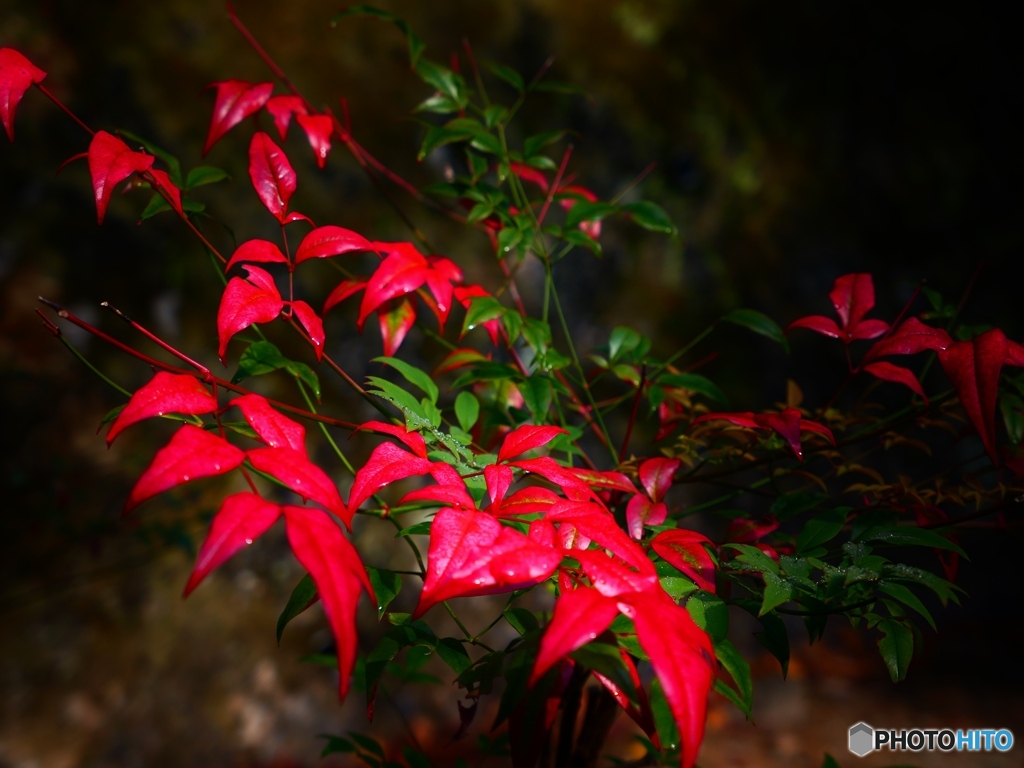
(793,142)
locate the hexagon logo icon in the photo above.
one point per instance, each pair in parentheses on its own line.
(862,738)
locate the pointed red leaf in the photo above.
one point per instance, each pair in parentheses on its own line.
(172,194)
(449,491)
(412,440)
(440,278)
(273,427)
(599,525)
(911,337)
(241,520)
(1014,353)
(580,615)
(554,472)
(526,438)
(656,476)
(498,478)
(235,101)
(312,324)
(742,419)
(111,161)
(819,324)
(608,481)
(530,174)
(281,108)
(471,554)
(318,129)
(684,550)
(853,296)
(192,453)
(327,241)
(342,291)
(897,374)
(868,329)
(386,464)
(396,318)
(272,175)
(164,393)
(244,303)
(256,250)
(528,501)
(641,511)
(683,660)
(786,423)
(16,74)
(973,367)
(294,470)
(401,272)
(746,531)
(338,574)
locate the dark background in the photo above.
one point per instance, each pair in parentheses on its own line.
(794,142)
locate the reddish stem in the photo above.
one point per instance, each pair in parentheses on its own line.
(158,341)
(636,408)
(554,185)
(46,92)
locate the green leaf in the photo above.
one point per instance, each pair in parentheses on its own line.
(650,216)
(534,144)
(584,211)
(438,104)
(259,358)
(821,528)
(368,744)
(776,592)
(204,174)
(467,410)
(386,586)
(437,136)
(710,613)
(421,528)
(415,44)
(305,374)
(664,721)
(755,558)
(622,340)
(909,536)
(320,659)
(522,620)
(695,383)
(494,114)
(908,598)
(675,584)
(775,639)
(443,79)
(481,310)
(737,666)
(479,212)
(303,596)
(508,238)
(578,237)
(896,647)
(758,323)
(336,745)
(112,414)
(606,659)
(829,762)
(537,394)
(395,394)
(507,74)
(413,375)
(945,590)
(453,653)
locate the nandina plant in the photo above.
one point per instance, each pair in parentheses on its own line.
(523,488)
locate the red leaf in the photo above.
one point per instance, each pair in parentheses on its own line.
(164,393)
(684,550)
(599,525)
(973,367)
(471,554)
(580,615)
(318,129)
(312,324)
(787,423)
(294,470)
(554,472)
(683,660)
(386,464)
(235,101)
(888,372)
(256,250)
(458,358)
(610,481)
(909,339)
(401,272)
(111,162)
(396,318)
(16,74)
(528,501)
(440,277)
(338,574)
(526,438)
(744,531)
(819,324)
(656,476)
(281,108)
(498,478)
(192,453)
(162,183)
(272,175)
(449,491)
(330,241)
(241,520)
(530,174)
(274,428)
(413,440)
(641,511)
(342,291)
(244,303)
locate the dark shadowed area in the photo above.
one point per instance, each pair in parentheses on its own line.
(791,143)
